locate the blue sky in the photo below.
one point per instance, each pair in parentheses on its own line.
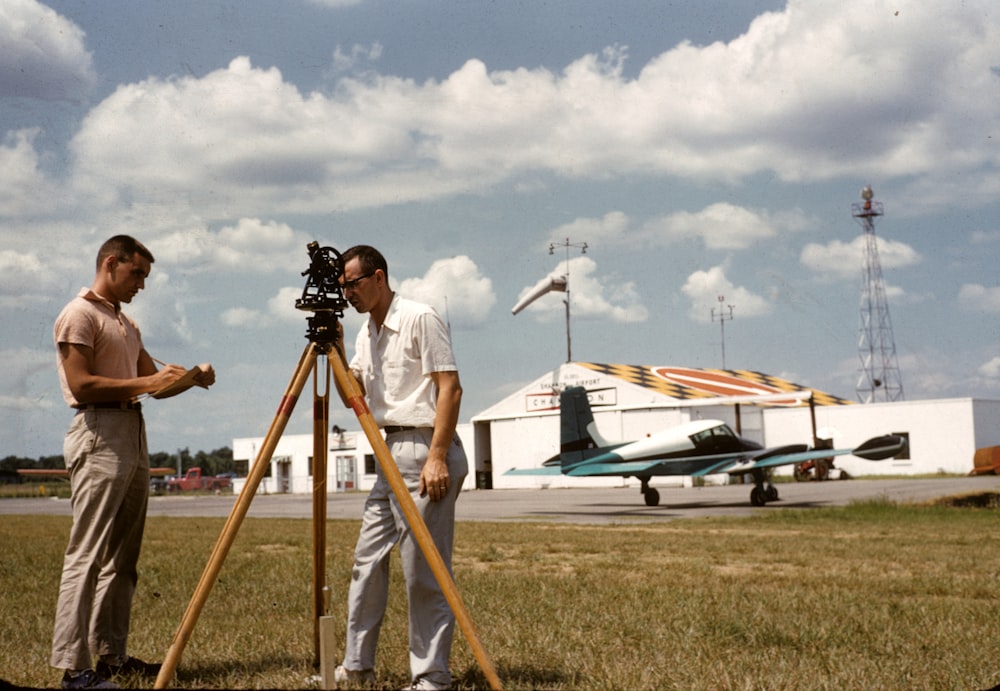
(699,149)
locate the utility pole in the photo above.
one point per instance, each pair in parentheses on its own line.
(583,250)
(722,324)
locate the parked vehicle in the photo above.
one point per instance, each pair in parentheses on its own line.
(194,480)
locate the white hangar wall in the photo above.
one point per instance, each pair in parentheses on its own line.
(943,433)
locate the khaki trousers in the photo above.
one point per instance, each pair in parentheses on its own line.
(108,462)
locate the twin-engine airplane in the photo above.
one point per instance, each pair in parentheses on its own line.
(696,448)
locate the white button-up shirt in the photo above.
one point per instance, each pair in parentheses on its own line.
(395,362)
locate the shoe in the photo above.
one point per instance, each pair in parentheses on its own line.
(87,679)
(342,675)
(423,684)
(132,665)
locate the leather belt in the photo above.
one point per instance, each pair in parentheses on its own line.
(393,429)
(110,405)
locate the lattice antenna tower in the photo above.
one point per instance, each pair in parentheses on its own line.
(879,378)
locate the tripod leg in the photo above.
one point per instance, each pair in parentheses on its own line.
(236,516)
(354,397)
(321,417)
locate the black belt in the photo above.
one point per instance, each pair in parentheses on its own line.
(110,405)
(393,429)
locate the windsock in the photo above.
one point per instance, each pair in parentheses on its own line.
(547,284)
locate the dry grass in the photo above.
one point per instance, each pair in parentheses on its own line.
(872,596)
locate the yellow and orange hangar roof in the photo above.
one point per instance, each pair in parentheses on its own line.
(685,383)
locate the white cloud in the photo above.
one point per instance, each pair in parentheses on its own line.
(43,54)
(725,226)
(17,367)
(251,246)
(978,298)
(23,187)
(611,227)
(456,289)
(770,100)
(591,297)
(704,288)
(844,260)
(991,369)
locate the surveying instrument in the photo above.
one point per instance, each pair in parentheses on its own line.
(323,297)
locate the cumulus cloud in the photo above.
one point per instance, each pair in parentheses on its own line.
(43,54)
(719,226)
(17,367)
(711,290)
(844,260)
(591,296)
(250,245)
(768,100)
(23,187)
(456,289)
(979,298)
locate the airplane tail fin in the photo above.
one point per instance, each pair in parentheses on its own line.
(578,436)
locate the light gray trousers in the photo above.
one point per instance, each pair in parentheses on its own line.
(105,453)
(432,623)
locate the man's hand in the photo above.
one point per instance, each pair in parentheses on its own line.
(167,375)
(434,479)
(207,375)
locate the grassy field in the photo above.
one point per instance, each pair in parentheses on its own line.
(871,596)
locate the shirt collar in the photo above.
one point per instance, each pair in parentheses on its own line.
(88,294)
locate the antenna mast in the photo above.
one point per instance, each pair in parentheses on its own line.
(722,324)
(583,250)
(879,376)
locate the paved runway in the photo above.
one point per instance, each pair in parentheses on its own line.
(612,505)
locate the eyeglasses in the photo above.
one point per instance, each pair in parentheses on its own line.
(351,285)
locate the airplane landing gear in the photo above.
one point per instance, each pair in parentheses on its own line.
(649,494)
(763,491)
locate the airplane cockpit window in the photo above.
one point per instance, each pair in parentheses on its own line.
(718,439)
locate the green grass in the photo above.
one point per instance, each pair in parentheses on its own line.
(871,596)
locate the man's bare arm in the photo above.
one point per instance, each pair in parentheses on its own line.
(434,479)
(88,387)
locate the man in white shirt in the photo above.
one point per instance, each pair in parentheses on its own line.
(404,363)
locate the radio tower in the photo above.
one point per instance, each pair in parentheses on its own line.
(879,378)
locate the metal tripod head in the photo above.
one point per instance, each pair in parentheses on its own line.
(323,294)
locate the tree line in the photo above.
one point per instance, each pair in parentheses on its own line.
(211,462)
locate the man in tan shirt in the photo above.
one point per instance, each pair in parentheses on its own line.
(103,368)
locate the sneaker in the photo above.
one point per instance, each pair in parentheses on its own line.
(424,684)
(132,665)
(87,679)
(342,675)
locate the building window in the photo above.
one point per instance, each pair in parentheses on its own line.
(370,462)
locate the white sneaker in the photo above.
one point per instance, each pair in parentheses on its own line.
(342,675)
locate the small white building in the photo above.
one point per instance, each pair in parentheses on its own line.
(351,462)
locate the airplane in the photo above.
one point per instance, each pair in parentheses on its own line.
(695,448)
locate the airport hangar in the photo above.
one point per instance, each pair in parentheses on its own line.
(632,401)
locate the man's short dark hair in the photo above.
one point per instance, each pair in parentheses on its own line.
(123,248)
(369,259)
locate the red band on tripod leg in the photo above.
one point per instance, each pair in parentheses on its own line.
(359,406)
(287,405)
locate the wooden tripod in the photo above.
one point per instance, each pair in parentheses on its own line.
(308,363)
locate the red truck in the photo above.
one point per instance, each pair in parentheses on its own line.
(193,479)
